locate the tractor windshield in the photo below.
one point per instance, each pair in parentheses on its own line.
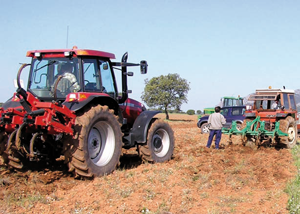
(44,73)
(232,102)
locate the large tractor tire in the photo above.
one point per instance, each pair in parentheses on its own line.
(289,126)
(160,143)
(15,159)
(97,143)
(3,146)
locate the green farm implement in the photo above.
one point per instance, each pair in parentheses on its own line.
(255,132)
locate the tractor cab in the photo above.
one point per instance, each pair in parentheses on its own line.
(272,104)
(81,71)
(231,101)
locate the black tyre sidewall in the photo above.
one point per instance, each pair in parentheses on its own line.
(155,127)
(111,165)
(290,122)
(3,146)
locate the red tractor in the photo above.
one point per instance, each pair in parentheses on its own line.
(72,112)
(274,115)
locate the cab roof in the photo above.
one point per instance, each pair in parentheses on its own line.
(73,51)
(233,98)
(289,91)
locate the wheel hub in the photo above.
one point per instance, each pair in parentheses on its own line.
(94,143)
(157,143)
(291,133)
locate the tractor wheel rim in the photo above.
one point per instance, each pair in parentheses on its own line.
(94,143)
(101,143)
(157,143)
(292,134)
(161,142)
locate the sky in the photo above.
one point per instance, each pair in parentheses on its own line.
(222,48)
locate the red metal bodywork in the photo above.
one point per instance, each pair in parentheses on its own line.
(77,52)
(46,121)
(131,109)
(271,115)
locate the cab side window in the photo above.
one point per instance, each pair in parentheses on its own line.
(107,77)
(292,100)
(224,112)
(91,75)
(286,101)
(238,111)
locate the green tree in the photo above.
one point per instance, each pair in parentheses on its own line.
(190,112)
(199,112)
(166,92)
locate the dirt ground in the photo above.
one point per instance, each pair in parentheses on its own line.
(234,179)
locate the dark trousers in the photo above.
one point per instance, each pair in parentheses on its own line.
(212,133)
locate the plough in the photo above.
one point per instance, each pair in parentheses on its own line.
(255,132)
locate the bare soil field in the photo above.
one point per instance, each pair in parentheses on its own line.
(234,179)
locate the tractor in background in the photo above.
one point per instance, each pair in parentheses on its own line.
(271,120)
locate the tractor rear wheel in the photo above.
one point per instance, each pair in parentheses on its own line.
(3,145)
(160,143)
(289,126)
(97,143)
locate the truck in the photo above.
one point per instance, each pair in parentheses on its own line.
(231,113)
(79,118)
(226,101)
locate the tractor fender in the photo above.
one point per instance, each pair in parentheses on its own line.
(239,121)
(140,127)
(93,99)
(11,104)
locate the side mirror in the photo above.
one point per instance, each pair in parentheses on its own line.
(143,65)
(105,66)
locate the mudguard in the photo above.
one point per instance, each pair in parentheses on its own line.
(140,128)
(11,104)
(102,100)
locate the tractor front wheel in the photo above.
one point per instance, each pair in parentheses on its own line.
(97,148)
(288,125)
(160,143)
